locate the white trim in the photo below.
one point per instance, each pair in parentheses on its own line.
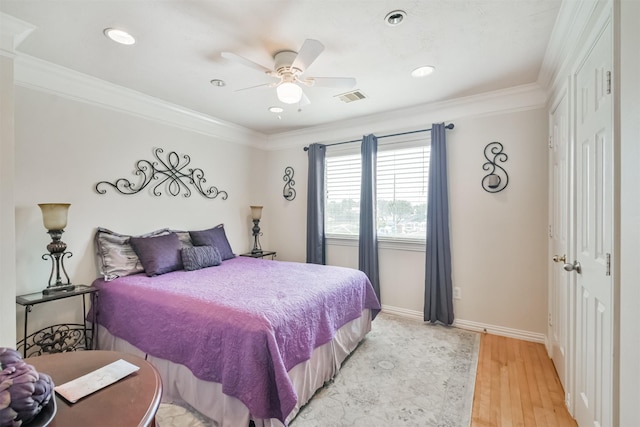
(500,330)
(37,74)
(402,312)
(13,31)
(34,73)
(519,98)
(567,30)
(474,326)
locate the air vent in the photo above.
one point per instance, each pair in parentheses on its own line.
(355,95)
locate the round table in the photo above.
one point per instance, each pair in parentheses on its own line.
(132,401)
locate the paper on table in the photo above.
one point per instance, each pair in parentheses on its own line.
(75,390)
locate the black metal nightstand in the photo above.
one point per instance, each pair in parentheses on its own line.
(62,337)
(262,254)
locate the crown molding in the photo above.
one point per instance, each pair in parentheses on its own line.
(519,98)
(37,74)
(44,76)
(13,31)
(567,35)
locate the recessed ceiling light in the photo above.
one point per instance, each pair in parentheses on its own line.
(423,71)
(218,83)
(395,17)
(119,36)
(276,109)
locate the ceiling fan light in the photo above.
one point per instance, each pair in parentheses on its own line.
(289,93)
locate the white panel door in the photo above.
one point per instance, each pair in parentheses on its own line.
(559,301)
(594,229)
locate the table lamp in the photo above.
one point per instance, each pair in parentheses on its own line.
(54,217)
(256,214)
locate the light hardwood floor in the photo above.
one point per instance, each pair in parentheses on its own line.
(517,385)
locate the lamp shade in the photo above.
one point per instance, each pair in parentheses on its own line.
(289,93)
(54,215)
(256,212)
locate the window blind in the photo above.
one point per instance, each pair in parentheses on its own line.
(402,186)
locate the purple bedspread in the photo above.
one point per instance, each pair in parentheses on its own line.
(243,324)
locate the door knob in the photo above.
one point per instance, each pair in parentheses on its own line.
(571,267)
(557,258)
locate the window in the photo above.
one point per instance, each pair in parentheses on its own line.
(402,186)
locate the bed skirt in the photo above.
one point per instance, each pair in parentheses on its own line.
(180,385)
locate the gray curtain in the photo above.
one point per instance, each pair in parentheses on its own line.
(438,295)
(315,205)
(368,241)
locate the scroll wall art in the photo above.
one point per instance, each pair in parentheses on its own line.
(497,179)
(288,192)
(171,175)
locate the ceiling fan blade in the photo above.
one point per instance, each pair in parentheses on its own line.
(304,101)
(337,82)
(274,84)
(308,53)
(246,62)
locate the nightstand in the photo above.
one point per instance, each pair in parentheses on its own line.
(62,337)
(262,254)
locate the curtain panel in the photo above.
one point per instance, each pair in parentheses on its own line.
(368,239)
(438,298)
(315,205)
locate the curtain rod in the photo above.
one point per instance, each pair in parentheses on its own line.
(449,126)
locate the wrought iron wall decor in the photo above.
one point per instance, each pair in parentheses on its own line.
(497,179)
(288,191)
(171,175)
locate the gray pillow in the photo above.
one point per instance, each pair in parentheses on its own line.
(159,254)
(198,257)
(215,237)
(116,257)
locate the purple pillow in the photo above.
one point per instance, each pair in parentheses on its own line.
(215,237)
(159,254)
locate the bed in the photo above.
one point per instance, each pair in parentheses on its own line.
(245,340)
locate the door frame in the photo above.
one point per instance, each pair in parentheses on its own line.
(563,94)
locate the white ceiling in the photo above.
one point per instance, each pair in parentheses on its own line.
(475,45)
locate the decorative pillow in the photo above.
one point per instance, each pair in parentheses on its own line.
(116,256)
(215,237)
(184,237)
(198,257)
(159,254)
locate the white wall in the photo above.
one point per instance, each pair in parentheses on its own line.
(12,32)
(66,143)
(64,147)
(7,217)
(628,86)
(498,240)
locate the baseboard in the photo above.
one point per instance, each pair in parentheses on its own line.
(473,326)
(402,312)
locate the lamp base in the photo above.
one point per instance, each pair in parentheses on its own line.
(55,289)
(256,251)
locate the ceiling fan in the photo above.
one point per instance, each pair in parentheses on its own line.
(289,68)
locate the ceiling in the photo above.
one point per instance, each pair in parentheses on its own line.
(475,45)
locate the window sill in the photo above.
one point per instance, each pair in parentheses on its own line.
(383,243)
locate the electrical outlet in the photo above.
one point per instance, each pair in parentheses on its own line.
(457,293)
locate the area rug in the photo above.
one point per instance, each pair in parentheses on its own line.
(404,373)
